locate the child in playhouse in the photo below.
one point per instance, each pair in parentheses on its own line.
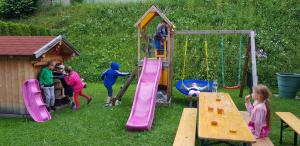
(110,77)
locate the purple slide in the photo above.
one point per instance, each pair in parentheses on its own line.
(33,101)
(143,107)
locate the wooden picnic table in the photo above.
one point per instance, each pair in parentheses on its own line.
(230,124)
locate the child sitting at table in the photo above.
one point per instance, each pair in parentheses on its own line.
(194,90)
(260,114)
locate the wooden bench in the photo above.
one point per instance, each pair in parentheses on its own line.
(261,141)
(289,120)
(186,132)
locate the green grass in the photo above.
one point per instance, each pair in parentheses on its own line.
(96,125)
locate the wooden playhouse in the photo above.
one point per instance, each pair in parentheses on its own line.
(21,58)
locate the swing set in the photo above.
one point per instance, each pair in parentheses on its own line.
(240,83)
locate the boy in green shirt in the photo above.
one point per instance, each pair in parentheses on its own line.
(47,84)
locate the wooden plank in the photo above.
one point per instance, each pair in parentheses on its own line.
(125,86)
(149,17)
(291,120)
(245,68)
(7,87)
(139,44)
(186,132)
(230,120)
(2,84)
(21,75)
(169,57)
(201,32)
(14,87)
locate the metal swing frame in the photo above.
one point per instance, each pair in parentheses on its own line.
(250,50)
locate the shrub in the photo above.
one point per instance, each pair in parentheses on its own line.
(10,28)
(10,9)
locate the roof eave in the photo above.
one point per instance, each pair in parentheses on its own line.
(156,9)
(48,46)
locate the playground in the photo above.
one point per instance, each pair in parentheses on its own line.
(184,87)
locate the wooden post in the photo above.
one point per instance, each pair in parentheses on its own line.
(125,86)
(253,58)
(139,44)
(139,50)
(245,68)
(169,58)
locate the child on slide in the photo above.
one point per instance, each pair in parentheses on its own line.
(110,77)
(260,113)
(194,90)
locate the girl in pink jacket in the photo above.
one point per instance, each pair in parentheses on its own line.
(260,114)
(73,80)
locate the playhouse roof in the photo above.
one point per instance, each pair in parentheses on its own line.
(149,15)
(31,45)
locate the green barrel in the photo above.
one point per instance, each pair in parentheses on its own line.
(288,84)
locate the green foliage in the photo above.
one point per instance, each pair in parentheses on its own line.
(76,1)
(16,8)
(104,32)
(19,29)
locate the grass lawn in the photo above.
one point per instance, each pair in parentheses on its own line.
(97,125)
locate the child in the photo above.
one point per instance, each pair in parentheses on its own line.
(193,91)
(73,80)
(110,76)
(47,84)
(160,36)
(60,74)
(260,114)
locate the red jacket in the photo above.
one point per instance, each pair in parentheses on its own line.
(73,80)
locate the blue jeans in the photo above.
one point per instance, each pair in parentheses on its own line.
(109,90)
(49,95)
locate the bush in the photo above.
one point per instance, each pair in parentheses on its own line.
(10,28)
(10,9)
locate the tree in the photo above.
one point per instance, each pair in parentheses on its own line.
(10,9)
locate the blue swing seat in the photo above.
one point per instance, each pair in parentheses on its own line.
(189,83)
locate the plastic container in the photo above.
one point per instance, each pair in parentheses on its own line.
(288,84)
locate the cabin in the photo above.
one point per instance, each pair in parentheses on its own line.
(21,58)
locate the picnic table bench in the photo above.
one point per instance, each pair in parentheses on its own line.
(289,120)
(186,132)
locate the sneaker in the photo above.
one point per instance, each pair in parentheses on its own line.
(72,105)
(118,102)
(108,105)
(89,100)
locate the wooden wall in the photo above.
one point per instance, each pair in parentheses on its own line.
(13,72)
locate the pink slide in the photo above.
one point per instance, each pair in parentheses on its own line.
(142,111)
(33,101)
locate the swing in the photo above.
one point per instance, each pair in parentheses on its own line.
(239,65)
(189,82)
